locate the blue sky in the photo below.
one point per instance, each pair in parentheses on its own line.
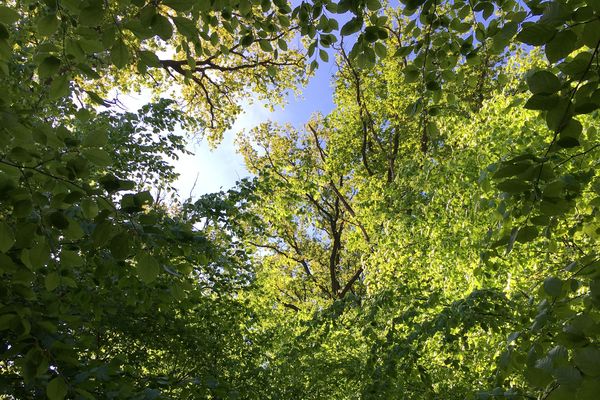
(211,170)
(219,169)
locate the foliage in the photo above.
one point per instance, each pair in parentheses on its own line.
(435,236)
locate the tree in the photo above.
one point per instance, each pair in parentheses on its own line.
(105,292)
(449,255)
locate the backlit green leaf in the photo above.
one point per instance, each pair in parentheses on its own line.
(97,156)
(119,54)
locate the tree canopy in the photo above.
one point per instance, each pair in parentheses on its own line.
(433,237)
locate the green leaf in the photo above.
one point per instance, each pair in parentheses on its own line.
(380,50)
(4,34)
(411,74)
(265,45)
(591,33)
(323,55)
(7,237)
(568,142)
(96,138)
(536,34)
(351,26)
(595,5)
(58,220)
(8,15)
(52,281)
(129,204)
(561,46)
(70,259)
(89,208)
(245,7)
(60,87)
(560,393)
(144,198)
(103,232)
(140,30)
(119,54)
(512,170)
(282,44)
(559,116)
(543,82)
(48,24)
(568,376)
(513,186)
(554,207)
(48,67)
(179,5)
(511,240)
(553,286)
(120,246)
(589,389)
(149,58)
(577,66)
(162,27)
(541,102)
(572,128)
(56,389)
(554,189)
(97,156)
(247,40)
(113,184)
(22,208)
(186,27)
(371,34)
(538,377)
(95,98)
(92,15)
(6,321)
(527,234)
(147,267)
(373,5)
(587,360)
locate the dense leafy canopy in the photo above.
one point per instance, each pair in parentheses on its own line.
(434,236)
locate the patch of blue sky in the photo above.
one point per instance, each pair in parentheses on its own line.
(210,170)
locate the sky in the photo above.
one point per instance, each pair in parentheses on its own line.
(211,170)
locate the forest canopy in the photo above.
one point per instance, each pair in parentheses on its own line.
(432,237)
